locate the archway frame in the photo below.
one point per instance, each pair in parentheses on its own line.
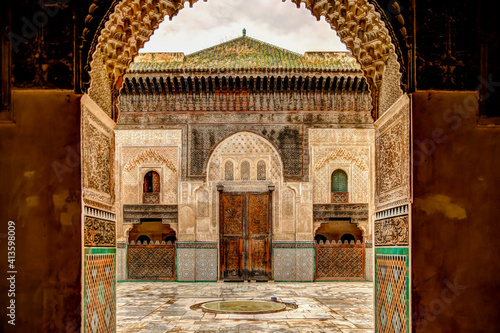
(131,23)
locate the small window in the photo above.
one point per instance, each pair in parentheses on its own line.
(339,181)
(261,170)
(245,170)
(143,238)
(152,182)
(229,170)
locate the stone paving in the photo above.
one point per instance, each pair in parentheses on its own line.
(322,307)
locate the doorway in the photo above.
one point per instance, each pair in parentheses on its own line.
(245,236)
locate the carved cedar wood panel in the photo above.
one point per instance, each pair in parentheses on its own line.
(258,214)
(245,236)
(151,262)
(339,261)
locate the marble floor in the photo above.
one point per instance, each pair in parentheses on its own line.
(322,307)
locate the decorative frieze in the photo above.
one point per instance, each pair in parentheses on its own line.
(99,232)
(357,213)
(167,213)
(393,231)
(391,212)
(100,214)
(265,101)
(292,245)
(196,245)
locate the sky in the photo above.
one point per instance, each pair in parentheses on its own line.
(216,21)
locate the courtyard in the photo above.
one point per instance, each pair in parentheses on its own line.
(322,307)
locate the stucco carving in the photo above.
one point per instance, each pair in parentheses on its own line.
(390,89)
(138,137)
(100,90)
(350,150)
(393,231)
(186,223)
(149,155)
(393,156)
(98,156)
(244,146)
(357,24)
(140,151)
(99,232)
(137,161)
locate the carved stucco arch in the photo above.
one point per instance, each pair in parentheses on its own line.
(250,140)
(130,26)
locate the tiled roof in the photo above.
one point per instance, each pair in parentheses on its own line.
(244,54)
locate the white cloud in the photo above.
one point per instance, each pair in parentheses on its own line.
(215,21)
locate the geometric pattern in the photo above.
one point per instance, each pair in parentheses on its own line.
(391,294)
(340,261)
(206,265)
(100,293)
(185,264)
(284,264)
(304,264)
(292,264)
(151,262)
(197,264)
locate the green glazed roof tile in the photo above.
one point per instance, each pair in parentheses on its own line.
(243,54)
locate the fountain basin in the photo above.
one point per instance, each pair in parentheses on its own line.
(243,307)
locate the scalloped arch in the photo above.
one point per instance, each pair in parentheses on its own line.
(357,23)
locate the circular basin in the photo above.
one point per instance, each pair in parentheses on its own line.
(243,307)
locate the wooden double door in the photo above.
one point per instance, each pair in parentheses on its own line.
(245,236)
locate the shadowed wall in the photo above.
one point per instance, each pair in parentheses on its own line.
(40,192)
(455,215)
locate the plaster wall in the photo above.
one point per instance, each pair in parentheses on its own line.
(41,192)
(455,214)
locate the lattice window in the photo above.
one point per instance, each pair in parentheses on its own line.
(288,199)
(261,170)
(202,208)
(245,170)
(151,188)
(229,170)
(340,192)
(339,181)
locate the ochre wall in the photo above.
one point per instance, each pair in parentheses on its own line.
(46,209)
(456,216)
